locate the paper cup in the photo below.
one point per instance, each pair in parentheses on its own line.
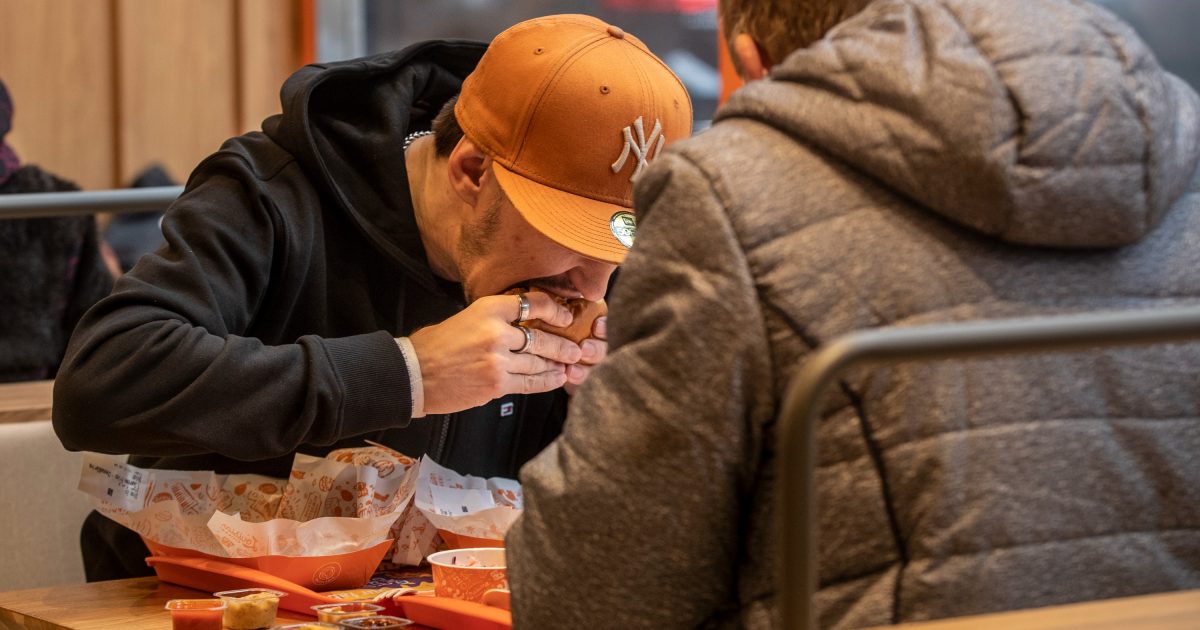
(468,573)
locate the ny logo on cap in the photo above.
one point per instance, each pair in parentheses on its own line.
(640,149)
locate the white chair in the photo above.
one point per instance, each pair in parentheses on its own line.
(41,510)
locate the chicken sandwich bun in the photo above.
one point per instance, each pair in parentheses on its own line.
(583,316)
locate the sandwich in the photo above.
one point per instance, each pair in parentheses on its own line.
(584,314)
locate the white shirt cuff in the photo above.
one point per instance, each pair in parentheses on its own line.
(416,386)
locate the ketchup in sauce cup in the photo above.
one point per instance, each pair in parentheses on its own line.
(196,614)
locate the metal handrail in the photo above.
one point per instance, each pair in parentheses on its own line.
(797,440)
(63,204)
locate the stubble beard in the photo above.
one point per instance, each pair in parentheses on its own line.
(476,241)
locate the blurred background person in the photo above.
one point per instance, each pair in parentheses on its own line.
(51,270)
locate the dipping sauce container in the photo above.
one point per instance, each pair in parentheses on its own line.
(196,614)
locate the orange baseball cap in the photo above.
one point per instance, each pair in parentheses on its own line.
(571,109)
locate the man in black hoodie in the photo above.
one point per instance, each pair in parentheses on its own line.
(339,275)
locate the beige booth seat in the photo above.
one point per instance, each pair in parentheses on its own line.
(40,509)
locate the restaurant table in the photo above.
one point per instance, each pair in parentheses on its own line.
(133,604)
(26,401)
(137,604)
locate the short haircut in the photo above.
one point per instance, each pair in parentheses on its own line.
(446,131)
(783,26)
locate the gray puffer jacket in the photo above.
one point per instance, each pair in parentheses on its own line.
(928,161)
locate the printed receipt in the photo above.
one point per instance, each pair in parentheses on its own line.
(465,505)
(122,485)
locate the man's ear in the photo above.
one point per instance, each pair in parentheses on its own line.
(466,166)
(754,61)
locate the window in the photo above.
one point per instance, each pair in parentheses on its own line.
(1170,27)
(683,33)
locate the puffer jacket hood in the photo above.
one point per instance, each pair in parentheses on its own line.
(1053,126)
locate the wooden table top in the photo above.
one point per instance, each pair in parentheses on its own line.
(134,604)
(30,400)
(1168,611)
(137,604)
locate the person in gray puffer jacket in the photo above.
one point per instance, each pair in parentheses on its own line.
(922,161)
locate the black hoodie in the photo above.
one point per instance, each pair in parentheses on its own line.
(266,324)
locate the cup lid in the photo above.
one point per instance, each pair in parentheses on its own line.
(195,604)
(383,622)
(246,592)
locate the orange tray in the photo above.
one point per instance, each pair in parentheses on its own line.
(211,575)
(327,573)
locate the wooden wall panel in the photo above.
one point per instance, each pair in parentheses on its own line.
(176,82)
(103,88)
(269,49)
(56,59)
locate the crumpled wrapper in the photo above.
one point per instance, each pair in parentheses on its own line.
(453,510)
(467,508)
(348,501)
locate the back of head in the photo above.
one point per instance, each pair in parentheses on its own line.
(780,26)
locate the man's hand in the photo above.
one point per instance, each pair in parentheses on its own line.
(469,359)
(595,348)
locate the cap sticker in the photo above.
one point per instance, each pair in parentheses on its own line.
(641,149)
(624,227)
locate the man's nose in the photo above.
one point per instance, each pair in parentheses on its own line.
(590,277)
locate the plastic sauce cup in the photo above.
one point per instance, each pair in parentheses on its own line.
(196,614)
(377,622)
(250,608)
(337,613)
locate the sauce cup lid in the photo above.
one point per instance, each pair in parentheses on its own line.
(246,592)
(195,604)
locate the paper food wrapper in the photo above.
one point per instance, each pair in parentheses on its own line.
(343,503)
(467,511)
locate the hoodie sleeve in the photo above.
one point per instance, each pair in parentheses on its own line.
(660,447)
(169,363)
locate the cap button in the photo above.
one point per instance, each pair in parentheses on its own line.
(616,31)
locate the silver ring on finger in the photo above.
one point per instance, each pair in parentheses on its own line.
(525,347)
(522,308)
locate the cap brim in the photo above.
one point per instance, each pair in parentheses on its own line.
(580,224)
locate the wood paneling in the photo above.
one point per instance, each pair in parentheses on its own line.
(176,82)
(56,59)
(104,88)
(269,49)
